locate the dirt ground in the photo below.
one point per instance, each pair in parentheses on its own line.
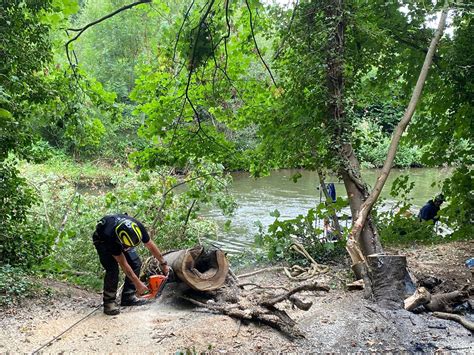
(338,321)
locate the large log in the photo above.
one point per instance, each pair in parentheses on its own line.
(389,280)
(445,302)
(199,269)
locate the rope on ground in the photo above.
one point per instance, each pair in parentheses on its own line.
(69,328)
(276,268)
(300,273)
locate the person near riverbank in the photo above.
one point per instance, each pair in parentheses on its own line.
(430,210)
(115,239)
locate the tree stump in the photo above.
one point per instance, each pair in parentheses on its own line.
(387,280)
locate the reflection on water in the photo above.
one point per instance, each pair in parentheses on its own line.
(256,198)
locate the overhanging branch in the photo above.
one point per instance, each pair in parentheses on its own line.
(81,30)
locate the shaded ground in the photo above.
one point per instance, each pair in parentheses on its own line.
(338,321)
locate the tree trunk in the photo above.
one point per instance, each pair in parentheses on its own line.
(199,269)
(387,280)
(368,242)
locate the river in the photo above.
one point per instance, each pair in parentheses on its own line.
(256,198)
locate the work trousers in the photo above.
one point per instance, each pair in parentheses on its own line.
(111,277)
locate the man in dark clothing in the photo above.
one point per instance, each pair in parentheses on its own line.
(115,239)
(430,210)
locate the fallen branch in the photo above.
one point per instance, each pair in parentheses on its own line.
(457,318)
(262,286)
(261,307)
(254,314)
(308,287)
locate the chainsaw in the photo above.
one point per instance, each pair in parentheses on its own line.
(156,283)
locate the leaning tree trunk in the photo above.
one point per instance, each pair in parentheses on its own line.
(379,275)
(363,240)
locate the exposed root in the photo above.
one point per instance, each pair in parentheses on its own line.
(260,306)
(457,318)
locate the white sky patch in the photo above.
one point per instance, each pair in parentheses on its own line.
(431,20)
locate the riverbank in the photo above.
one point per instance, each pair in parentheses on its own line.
(338,321)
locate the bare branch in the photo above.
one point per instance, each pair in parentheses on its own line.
(186,15)
(256,45)
(282,44)
(82,29)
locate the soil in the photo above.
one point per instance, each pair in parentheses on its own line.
(338,321)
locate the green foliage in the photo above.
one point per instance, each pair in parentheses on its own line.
(23,242)
(15,285)
(445,127)
(399,226)
(399,229)
(373,127)
(74,198)
(24,47)
(460,209)
(281,235)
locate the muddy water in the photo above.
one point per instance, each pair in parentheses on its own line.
(256,198)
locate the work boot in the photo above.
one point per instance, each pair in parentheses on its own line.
(111,309)
(132,301)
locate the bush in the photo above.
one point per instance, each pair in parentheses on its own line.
(402,230)
(23,241)
(302,229)
(15,285)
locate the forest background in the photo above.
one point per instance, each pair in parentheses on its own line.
(149,110)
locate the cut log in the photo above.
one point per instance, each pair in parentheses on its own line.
(389,280)
(199,269)
(356,285)
(419,298)
(445,302)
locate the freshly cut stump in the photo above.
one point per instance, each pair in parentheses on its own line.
(387,280)
(200,269)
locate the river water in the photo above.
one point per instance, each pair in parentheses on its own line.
(256,198)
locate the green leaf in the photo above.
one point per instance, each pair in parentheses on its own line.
(295,177)
(275,213)
(5,114)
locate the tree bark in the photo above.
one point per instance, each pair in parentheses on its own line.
(200,269)
(387,280)
(367,241)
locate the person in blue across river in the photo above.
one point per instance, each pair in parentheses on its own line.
(430,210)
(115,239)
(332,191)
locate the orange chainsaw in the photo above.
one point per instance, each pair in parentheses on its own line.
(156,283)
